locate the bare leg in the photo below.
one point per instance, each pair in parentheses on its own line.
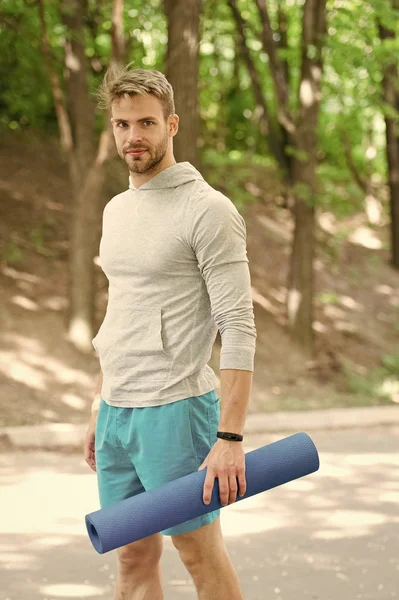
(215,577)
(138,583)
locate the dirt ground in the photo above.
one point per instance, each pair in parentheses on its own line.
(44,379)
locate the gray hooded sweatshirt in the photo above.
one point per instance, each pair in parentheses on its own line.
(174,253)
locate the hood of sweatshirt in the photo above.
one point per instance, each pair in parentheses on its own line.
(172,177)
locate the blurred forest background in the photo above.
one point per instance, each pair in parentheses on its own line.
(288,107)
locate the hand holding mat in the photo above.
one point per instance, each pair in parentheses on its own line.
(181,500)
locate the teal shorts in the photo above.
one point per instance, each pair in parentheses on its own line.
(138,449)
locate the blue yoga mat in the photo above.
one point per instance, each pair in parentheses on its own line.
(181,500)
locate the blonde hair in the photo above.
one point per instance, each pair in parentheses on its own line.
(119,82)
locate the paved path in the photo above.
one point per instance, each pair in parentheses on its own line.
(333,535)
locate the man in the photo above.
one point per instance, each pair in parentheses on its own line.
(174,252)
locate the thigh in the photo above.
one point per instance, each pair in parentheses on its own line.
(175,439)
(117,478)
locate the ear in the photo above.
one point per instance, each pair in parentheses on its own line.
(174,125)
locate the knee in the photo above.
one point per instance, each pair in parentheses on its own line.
(142,554)
(199,545)
(192,553)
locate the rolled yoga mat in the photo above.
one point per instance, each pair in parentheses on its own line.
(181,500)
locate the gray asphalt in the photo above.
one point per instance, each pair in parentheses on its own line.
(333,535)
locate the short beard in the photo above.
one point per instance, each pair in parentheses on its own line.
(156,155)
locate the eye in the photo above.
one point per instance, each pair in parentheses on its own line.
(149,122)
(121,123)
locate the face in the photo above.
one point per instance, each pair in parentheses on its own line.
(141,134)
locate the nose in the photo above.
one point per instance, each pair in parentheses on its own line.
(134,136)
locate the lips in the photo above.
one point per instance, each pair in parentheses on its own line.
(136,153)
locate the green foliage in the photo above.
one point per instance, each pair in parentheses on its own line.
(227,107)
(304,191)
(351,113)
(363,386)
(12,254)
(25,93)
(391,364)
(337,191)
(380,383)
(37,238)
(229,172)
(328,298)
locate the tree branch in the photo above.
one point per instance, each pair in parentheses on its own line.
(117,34)
(276,68)
(10,21)
(283,43)
(268,127)
(61,112)
(361,181)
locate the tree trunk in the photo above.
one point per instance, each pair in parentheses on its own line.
(182,68)
(300,134)
(63,121)
(59,105)
(88,180)
(300,278)
(391,97)
(81,271)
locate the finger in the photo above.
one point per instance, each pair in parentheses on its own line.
(233,488)
(208,487)
(243,484)
(224,489)
(88,451)
(91,460)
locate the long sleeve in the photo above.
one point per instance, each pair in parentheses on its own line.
(217,234)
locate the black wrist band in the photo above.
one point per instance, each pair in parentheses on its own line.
(232,437)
